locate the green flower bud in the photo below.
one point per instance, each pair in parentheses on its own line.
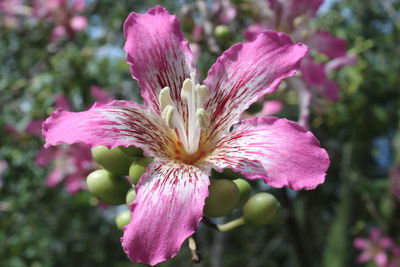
(255,107)
(261,209)
(244,189)
(107,187)
(224,34)
(137,168)
(123,219)
(113,160)
(222,199)
(132,151)
(130,196)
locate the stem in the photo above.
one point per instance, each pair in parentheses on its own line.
(231,225)
(196,257)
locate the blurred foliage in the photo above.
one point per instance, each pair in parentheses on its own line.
(48,227)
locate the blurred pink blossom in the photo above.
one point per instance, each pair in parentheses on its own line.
(100,95)
(294,17)
(71,164)
(377,248)
(10,10)
(224,10)
(66,16)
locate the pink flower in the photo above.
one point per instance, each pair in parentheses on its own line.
(65,14)
(224,10)
(377,248)
(186,128)
(100,95)
(292,17)
(71,164)
(10,10)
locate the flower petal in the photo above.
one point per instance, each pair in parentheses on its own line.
(61,101)
(247,71)
(55,177)
(100,95)
(304,96)
(158,54)
(313,73)
(339,62)
(330,90)
(167,209)
(277,150)
(118,123)
(35,127)
(327,44)
(271,107)
(45,155)
(251,32)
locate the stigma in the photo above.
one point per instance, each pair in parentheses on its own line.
(188,131)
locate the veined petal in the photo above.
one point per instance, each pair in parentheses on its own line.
(167,209)
(118,123)
(247,71)
(158,54)
(277,150)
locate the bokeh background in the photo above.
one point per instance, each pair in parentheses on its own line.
(71,54)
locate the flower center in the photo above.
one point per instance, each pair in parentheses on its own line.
(187,132)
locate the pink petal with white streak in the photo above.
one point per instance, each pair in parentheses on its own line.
(118,123)
(339,62)
(279,151)
(247,71)
(167,210)
(158,54)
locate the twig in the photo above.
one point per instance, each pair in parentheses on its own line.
(209,223)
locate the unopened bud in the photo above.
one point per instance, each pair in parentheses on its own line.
(261,209)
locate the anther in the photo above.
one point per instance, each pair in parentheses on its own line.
(187,89)
(165,98)
(168,116)
(202,118)
(202,94)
